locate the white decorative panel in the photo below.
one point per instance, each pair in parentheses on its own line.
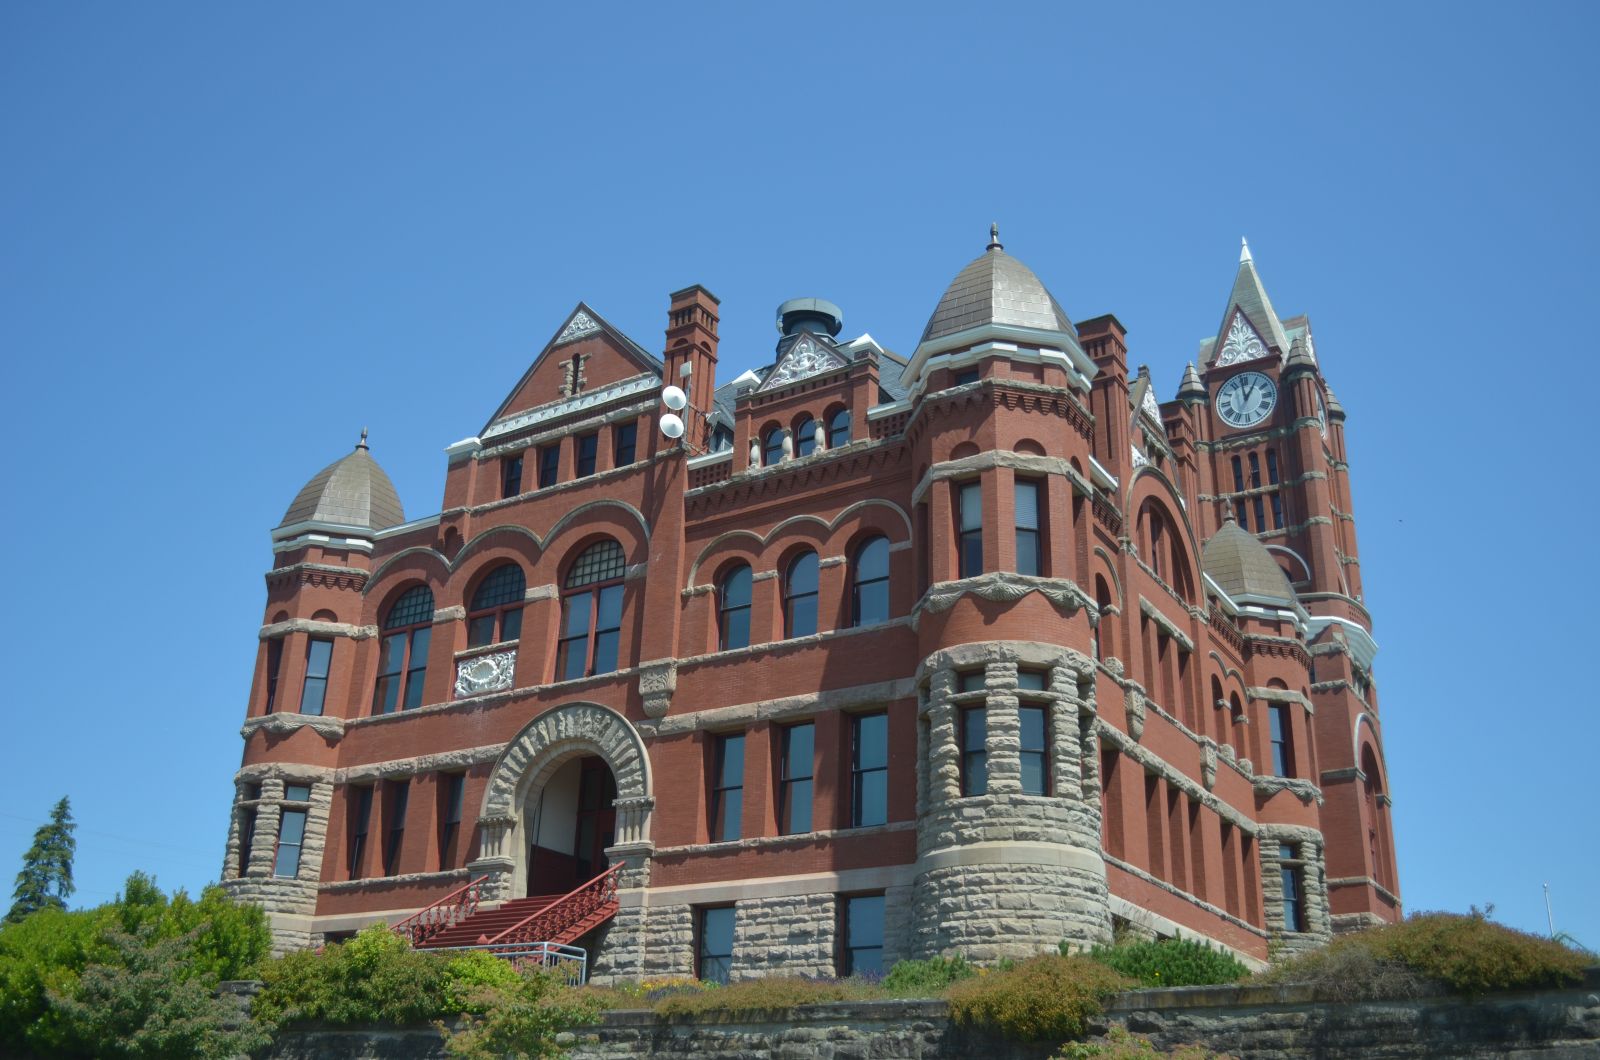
(485,673)
(580,325)
(1242,343)
(807,357)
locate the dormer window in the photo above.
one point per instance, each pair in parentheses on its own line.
(496,612)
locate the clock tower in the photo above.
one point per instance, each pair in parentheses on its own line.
(1271,450)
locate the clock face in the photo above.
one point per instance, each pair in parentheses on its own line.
(1322,415)
(1246,399)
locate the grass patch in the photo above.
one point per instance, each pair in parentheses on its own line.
(927,978)
(1170,962)
(1048,997)
(757,996)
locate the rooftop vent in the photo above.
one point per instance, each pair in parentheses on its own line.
(816,315)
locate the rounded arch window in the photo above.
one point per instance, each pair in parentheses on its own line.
(800,596)
(496,612)
(403,660)
(869,583)
(733,608)
(805,436)
(591,612)
(838,428)
(772,447)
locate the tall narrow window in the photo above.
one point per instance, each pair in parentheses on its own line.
(969,515)
(319,652)
(510,476)
(403,658)
(625,444)
(1255,471)
(727,787)
(496,612)
(291,830)
(1277,511)
(1282,745)
(247,837)
(800,596)
(794,793)
(395,817)
(869,583)
(1238,475)
(1272,467)
(839,429)
(452,793)
(359,803)
(1294,902)
(588,451)
(1030,557)
(805,437)
(1241,513)
(274,664)
(974,751)
(591,613)
(869,770)
(549,464)
(862,932)
(714,954)
(772,447)
(1035,750)
(733,608)
(1261,512)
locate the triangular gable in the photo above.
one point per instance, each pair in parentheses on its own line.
(808,356)
(585,354)
(1240,342)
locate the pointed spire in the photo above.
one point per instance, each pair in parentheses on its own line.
(1334,408)
(1191,389)
(994,237)
(1300,356)
(362,444)
(1248,296)
(1244,250)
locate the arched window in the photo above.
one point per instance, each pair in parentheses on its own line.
(772,447)
(733,608)
(496,611)
(805,436)
(800,596)
(1105,642)
(591,612)
(839,428)
(869,583)
(403,665)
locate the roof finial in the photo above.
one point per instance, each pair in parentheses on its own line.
(362,444)
(1244,250)
(994,237)
(1227,512)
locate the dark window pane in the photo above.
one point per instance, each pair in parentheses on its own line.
(511,476)
(1033,680)
(1272,467)
(274,663)
(716,944)
(627,442)
(965,376)
(291,833)
(605,651)
(870,760)
(511,623)
(588,448)
(872,741)
(799,745)
(772,448)
(805,437)
(414,607)
(1028,553)
(506,584)
(733,596)
(318,654)
(736,628)
(870,600)
(297,792)
(549,465)
(974,751)
(971,681)
(800,596)
(1034,751)
(730,772)
(602,561)
(839,429)
(863,931)
(609,614)
(480,631)
(872,798)
(416,673)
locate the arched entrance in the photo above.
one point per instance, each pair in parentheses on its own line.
(572,784)
(568,823)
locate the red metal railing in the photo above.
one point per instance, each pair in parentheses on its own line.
(447,912)
(589,903)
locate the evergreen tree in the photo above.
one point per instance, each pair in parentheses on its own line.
(45,881)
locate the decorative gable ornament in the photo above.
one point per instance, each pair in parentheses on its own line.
(806,358)
(1139,459)
(1149,405)
(580,325)
(1242,344)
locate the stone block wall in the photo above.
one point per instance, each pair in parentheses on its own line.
(288,901)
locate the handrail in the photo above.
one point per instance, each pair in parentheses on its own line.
(603,888)
(445,913)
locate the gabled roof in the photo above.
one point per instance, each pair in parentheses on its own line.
(582,323)
(351,491)
(1249,298)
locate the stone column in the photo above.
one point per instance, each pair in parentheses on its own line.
(622,949)
(496,859)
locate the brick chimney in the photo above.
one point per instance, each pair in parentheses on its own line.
(692,349)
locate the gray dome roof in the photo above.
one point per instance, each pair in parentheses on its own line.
(1239,563)
(352,491)
(996,289)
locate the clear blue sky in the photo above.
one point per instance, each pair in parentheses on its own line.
(233,235)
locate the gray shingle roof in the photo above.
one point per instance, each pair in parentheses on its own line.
(1249,295)
(996,289)
(1239,563)
(351,491)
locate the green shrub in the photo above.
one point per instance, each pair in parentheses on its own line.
(42,954)
(520,1017)
(1170,962)
(1048,997)
(926,978)
(376,977)
(467,974)
(1120,1044)
(750,996)
(1469,954)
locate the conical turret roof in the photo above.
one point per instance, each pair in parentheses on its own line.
(351,491)
(1241,565)
(996,288)
(1249,296)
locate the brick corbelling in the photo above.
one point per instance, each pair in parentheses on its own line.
(857,460)
(1281,647)
(1000,393)
(318,575)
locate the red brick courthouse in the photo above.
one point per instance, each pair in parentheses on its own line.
(977,651)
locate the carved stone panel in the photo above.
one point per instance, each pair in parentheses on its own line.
(485,673)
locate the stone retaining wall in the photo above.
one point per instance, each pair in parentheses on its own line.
(1249,1022)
